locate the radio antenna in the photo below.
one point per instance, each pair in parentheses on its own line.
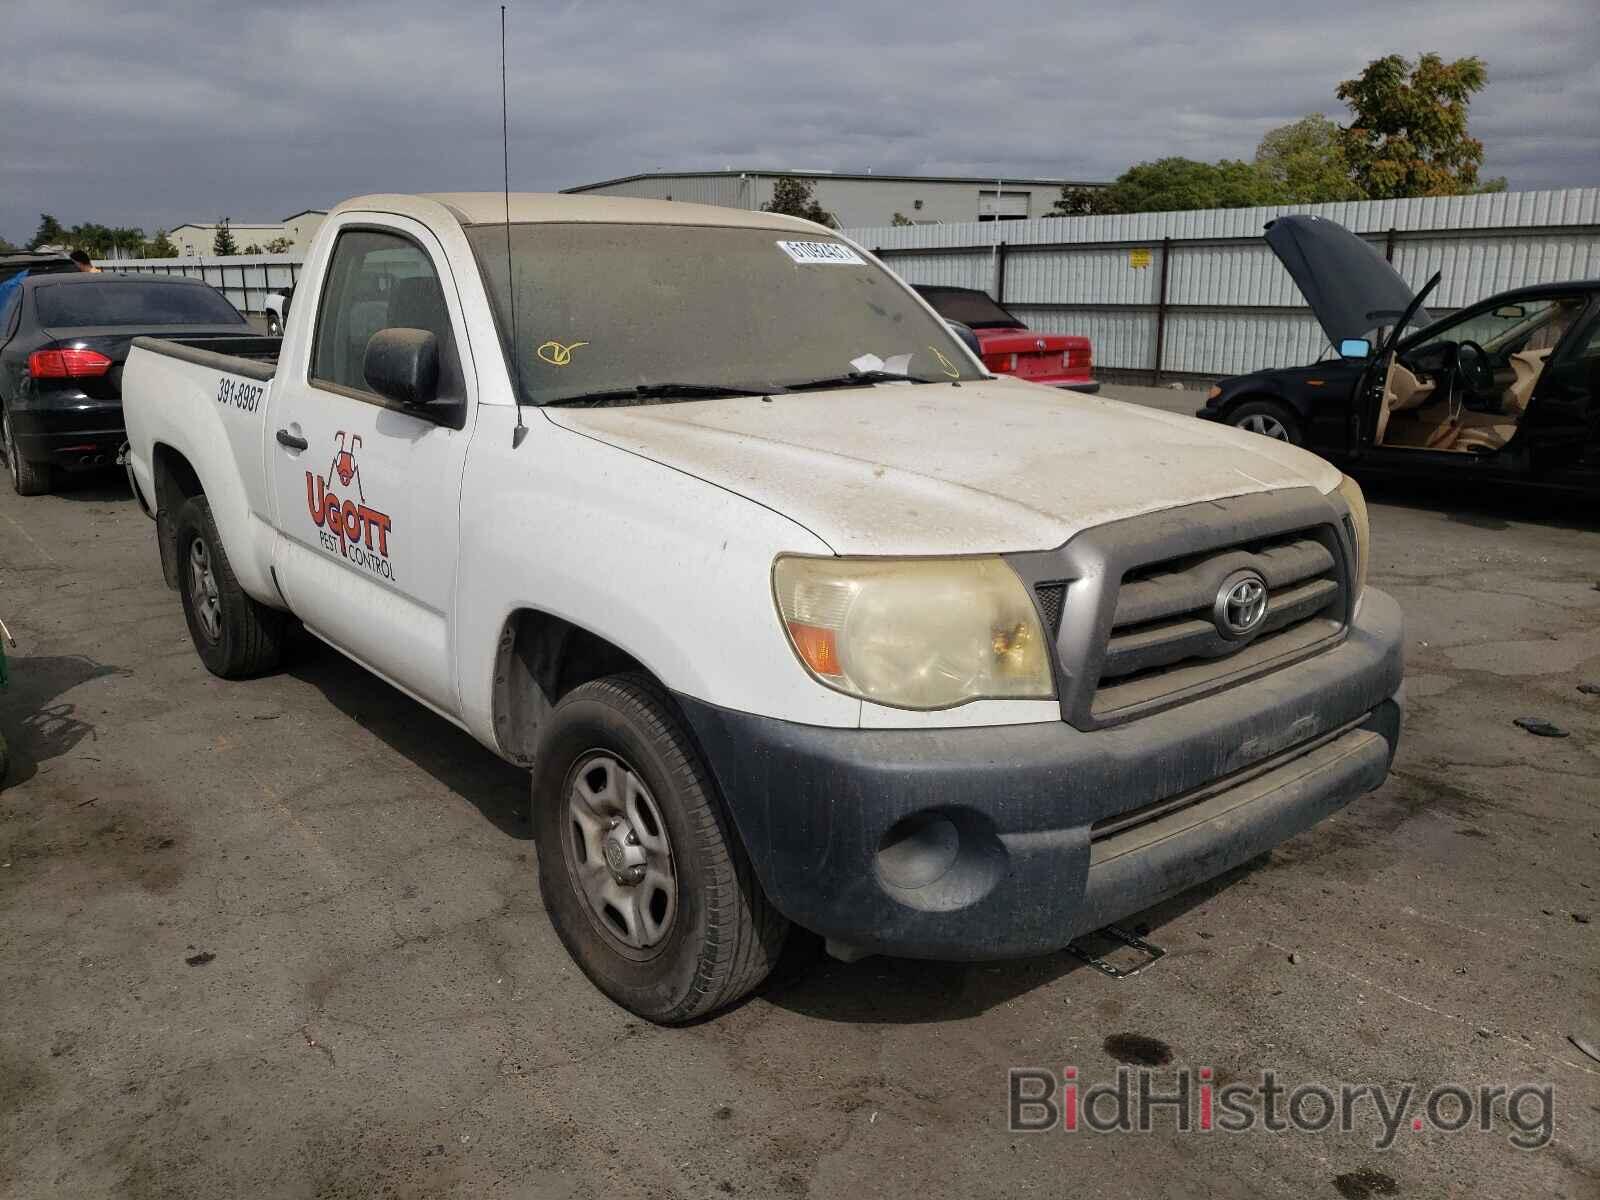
(521,431)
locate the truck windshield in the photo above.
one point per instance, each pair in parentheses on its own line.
(603,310)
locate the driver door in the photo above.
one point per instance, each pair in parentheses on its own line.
(366,490)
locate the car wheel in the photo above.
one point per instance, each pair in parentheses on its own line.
(235,635)
(1268,418)
(27,478)
(274,328)
(642,873)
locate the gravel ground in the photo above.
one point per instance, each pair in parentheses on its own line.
(283,938)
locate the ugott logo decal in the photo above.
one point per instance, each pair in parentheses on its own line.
(352,529)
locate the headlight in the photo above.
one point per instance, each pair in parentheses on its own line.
(1214,392)
(1362,529)
(914,633)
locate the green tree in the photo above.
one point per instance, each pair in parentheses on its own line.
(796,198)
(1408,132)
(900,218)
(1179,184)
(128,241)
(280,245)
(50,233)
(91,237)
(223,243)
(252,248)
(1080,202)
(1305,160)
(160,246)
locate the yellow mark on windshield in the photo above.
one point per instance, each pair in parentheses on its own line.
(556,354)
(948,367)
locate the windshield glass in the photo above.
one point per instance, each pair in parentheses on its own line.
(130,302)
(612,307)
(972,308)
(1535,324)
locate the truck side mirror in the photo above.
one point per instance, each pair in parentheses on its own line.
(403,365)
(1355,348)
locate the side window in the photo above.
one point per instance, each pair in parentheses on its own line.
(379,281)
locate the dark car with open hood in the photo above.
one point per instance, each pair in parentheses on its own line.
(1506,389)
(63,340)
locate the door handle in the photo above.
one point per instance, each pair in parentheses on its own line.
(285,438)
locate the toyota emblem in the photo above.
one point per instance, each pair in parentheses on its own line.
(1241,605)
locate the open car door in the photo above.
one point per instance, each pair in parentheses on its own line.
(1375,393)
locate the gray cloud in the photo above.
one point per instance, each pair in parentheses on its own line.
(180,111)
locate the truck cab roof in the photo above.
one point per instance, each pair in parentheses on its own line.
(490,208)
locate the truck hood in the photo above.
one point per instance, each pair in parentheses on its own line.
(1350,287)
(985,467)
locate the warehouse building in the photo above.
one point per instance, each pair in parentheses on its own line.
(197,239)
(856,201)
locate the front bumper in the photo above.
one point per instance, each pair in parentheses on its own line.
(1013,840)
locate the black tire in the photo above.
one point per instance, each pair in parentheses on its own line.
(1266,417)
(274,326)
(28,478)
(242,637)
(724,936)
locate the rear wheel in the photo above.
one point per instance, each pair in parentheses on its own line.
(1268,418)
(274,326)
(642,873)
(235,635)
(28,478)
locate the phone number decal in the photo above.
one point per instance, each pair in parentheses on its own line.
(246,397)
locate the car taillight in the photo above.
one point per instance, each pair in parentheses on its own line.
(1000,362)
(67,364)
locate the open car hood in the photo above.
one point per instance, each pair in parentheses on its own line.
(1344,279)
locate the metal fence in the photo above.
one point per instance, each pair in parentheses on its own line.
(1197,295)
(245,279)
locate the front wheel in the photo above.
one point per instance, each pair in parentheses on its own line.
(274,326)
(1268,418)
(642,873)
(235,635)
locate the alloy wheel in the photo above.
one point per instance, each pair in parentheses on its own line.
(1265,425)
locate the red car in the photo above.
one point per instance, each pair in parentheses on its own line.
(1008,347)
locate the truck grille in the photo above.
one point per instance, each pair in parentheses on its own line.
(1132,605)
(1164,639)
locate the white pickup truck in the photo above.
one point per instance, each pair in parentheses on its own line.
(795,614)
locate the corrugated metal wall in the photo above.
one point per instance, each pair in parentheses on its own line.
(245,279)
(1198,294)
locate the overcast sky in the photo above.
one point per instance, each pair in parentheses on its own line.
(146,113)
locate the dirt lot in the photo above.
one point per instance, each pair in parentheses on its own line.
(284,938)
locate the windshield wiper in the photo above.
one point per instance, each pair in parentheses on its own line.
(856,379)
(645,392)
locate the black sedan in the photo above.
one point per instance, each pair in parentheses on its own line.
(63,340)
(1506,389)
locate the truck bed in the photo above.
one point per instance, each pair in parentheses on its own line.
(253,356)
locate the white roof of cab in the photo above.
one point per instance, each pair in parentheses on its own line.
(489,208)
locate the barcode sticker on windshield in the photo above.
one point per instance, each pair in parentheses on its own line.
(822,252)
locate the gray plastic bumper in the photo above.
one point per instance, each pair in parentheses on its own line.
(1004,841)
